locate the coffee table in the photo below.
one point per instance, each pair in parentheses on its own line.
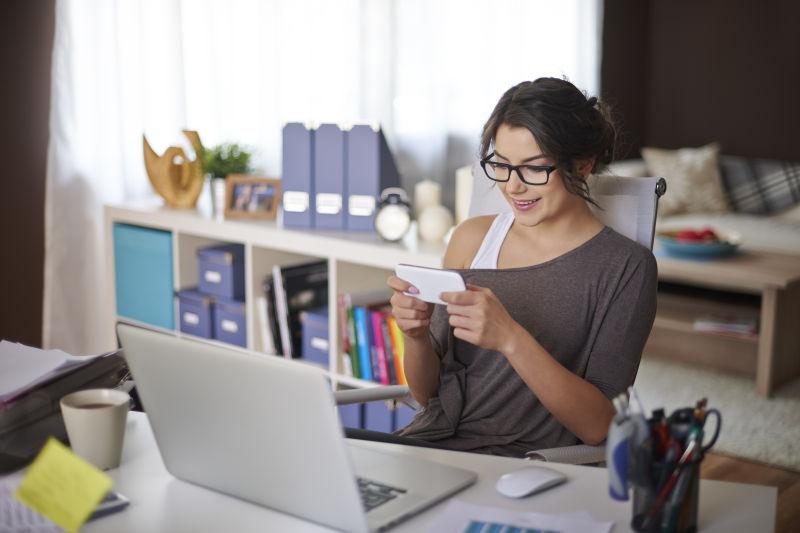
(773,356)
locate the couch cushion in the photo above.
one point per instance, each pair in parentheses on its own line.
(760,186)
(759,233)
(693,179)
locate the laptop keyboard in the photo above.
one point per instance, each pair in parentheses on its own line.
(374,494)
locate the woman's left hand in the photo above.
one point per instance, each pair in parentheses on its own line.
(478,317)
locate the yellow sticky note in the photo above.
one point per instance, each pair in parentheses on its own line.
(62,486)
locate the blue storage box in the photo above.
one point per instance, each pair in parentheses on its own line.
(315,335)
(220,271)
(350,415)
(378,417)
(143,275)
(229,322)
(194,312)
(403,415)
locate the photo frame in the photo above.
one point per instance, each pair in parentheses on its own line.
(252,197)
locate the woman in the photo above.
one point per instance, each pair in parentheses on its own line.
(558,306)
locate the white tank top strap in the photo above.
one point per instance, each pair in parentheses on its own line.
(490,247)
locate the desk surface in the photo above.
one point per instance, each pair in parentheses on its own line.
(159,502)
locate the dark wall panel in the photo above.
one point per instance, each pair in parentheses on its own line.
(26,40)
(715,70)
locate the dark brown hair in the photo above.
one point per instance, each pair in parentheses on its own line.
(567,126)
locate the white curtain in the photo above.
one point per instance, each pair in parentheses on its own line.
(429,70)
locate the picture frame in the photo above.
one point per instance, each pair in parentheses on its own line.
(252,197)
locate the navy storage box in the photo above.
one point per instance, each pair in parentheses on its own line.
(378,417)
(229,322)
(143,275)
(220,271)
(350,415)
(194,312)
(315,335)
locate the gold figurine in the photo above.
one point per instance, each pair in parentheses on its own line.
(178,179)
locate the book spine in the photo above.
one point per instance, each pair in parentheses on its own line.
(362,336)
(398,349)
(282,311)
(353,351)
(380,350)
(387,346)
(341,300)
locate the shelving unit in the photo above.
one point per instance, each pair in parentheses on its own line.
(357,262)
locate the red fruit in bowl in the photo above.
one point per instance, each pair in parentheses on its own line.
(709,234)
(688,235)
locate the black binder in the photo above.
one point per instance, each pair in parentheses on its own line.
(28,421)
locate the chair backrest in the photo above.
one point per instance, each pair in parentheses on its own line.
(629,205)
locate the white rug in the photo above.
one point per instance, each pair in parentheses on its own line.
(764,430)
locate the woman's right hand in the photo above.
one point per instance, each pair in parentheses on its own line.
(413,315)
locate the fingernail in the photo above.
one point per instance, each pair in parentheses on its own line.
(413,290)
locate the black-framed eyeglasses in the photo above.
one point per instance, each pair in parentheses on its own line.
(529,174)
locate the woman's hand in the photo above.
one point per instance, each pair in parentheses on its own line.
(478,317)
(413,316)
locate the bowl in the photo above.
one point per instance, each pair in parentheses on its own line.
(725,244)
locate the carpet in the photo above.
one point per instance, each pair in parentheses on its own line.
(766,430)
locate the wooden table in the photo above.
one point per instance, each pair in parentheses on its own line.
(772,276)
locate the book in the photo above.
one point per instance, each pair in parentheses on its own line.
(379,347)
(387,343)
(298,288)
(348,330)
(264,326)
(363,341)
(272,319)
(397,349)
(352,348)
(730,324)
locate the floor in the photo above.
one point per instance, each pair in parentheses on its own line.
(725,468)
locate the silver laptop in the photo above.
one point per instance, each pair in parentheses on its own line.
(266,430)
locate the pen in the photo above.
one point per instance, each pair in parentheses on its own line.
(662,496)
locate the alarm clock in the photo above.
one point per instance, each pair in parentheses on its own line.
(394,214)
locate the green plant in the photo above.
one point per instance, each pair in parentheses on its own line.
(226,158)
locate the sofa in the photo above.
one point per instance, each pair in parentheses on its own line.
(760,211)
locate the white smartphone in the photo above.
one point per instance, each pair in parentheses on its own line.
(430,282)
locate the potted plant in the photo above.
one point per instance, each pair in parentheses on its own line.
(218,163)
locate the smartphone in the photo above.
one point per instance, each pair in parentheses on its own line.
(113,502)
(430,282)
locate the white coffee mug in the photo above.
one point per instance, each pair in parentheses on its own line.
(95,422)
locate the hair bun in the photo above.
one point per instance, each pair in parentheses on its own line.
(591,101)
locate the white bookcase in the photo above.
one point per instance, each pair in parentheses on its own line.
(357,261)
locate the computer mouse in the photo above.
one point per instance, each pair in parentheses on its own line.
(529,480)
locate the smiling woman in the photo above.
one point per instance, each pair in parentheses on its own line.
(557,307)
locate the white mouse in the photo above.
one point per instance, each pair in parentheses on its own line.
(527,481)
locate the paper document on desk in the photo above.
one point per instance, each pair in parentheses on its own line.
(469,518)
(22,367)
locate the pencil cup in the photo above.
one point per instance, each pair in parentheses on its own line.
(95,422)
(673,510)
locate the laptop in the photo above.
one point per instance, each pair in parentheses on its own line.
(265,429)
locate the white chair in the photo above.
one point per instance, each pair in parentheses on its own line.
(629,206)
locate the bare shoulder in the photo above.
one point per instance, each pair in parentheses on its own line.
(466,241)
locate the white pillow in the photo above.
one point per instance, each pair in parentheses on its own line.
(693,180)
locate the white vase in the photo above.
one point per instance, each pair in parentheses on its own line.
(218,187)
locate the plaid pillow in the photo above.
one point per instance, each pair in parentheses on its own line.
(760,186)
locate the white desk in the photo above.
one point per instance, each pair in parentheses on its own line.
(161,503)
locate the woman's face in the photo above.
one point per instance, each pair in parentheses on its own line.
(532,204)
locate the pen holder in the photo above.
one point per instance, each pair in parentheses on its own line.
(676,510)
(666,485)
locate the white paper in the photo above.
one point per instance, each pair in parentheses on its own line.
(23,367)
(16,517)
(464,517)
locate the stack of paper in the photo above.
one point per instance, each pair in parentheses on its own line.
(23,368)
